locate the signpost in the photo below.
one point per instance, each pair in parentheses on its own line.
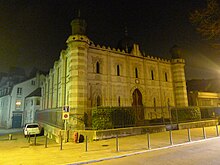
(65,117)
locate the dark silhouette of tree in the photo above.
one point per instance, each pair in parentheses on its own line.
(207,20)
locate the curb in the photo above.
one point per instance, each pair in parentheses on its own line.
(141,152)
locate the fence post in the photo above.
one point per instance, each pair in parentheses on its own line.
(29,137)
(171,137)
(86,144)
(217,133)
(46,140)
(117,143)
(204,133)
(61,141)
(148,141)
(189,135)
(35,139)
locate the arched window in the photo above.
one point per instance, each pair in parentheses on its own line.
(97,67)
(119,101)
(166,77)
(118,70)
(152,75)
(98,101)
(136,72)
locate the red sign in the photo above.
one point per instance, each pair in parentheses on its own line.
(66,115)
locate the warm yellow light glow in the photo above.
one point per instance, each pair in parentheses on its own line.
(18,103)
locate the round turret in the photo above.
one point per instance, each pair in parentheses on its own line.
(78,25)
(176,52)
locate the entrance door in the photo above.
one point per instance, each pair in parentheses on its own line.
(138,107)
(16,120)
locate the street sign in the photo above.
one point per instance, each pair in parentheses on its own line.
(65,115)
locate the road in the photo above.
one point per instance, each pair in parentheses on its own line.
(199,153)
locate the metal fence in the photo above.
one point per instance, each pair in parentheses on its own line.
(121,117)
(51,116)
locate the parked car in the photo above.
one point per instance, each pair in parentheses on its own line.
(31,129)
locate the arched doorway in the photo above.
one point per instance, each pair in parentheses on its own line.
(138,107)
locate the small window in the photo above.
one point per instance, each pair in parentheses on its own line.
(97,67)
(38,102)
(166,77)
(98,101)
(32,102)
(19,91)
(119,101)
(32,82)
(152,75)
(118,70)
(136,72)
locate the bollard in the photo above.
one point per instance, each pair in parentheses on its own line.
(86,143)
(217,133)
(46,140)
(171,137)
(61,142)
(189,135)
(204,133)
(117,144)
(29,138)
(148,141)
(35,139)
(9,136)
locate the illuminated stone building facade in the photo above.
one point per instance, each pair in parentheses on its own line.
(88,75)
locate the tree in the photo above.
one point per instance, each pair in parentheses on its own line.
(207,20)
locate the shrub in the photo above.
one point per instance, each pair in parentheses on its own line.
(185,114)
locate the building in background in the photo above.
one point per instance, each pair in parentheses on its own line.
(89,75)
(12,98)
(204,93)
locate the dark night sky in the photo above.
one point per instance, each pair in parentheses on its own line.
(33,32)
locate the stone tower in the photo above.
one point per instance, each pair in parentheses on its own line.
(76,89)
(179,81)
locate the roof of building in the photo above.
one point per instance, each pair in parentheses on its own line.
(202,85)
(37,92)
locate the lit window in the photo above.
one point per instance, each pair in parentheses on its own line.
(18,104)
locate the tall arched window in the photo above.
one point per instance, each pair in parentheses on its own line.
(136,72)
(98,101)
(152,75)
(118,70)
(166,77)
(97,67)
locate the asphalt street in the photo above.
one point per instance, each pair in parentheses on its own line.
(197,153)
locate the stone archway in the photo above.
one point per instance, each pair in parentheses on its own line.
(137,105)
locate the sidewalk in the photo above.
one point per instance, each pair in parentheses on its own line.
(19,151)
(9,131)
